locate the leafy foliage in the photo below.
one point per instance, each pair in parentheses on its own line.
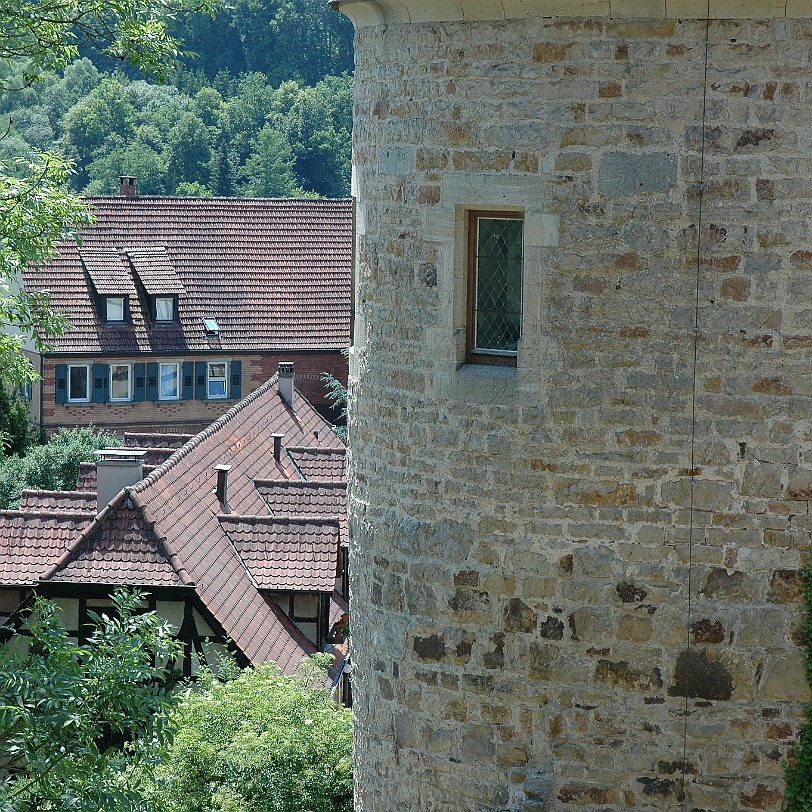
(337,395)
(16,432)
(798,770)
(36,211)
(78,724)
(53,466)
(47,34)
(261,742)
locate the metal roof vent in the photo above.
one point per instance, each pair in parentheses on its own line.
(211,326)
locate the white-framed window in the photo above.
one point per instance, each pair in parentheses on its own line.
(120,382)
(168,381)
(116,308)
(78,383)
(164,308)
(217,381)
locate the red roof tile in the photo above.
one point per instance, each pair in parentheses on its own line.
(320,463)
(169,529)
(32,542)
(62,501)
(106,271)
(289,498)
(275,274)
(122,549)
(154,441)
(287,555)
(154,270)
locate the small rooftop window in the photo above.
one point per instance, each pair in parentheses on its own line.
(212,328)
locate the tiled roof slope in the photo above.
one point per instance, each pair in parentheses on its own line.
(243,439)
(320,463)
(171,529)
(275,274)
(286,555)
(122,549)
(68,501)
(31,542)
(285,498)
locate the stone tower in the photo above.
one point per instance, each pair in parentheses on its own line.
(581,412)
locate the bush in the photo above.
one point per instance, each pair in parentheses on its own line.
(261,742)
(53,466)
(79,724)
(799,769)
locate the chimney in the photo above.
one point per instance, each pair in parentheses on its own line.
(126,186)
(116,469)
(222,485)
(277,446)
(286,381)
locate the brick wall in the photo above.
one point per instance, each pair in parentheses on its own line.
(185,415)
(576,583)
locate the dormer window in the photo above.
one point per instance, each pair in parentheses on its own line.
(164,308)
(115,308)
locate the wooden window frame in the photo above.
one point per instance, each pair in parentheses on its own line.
(472,355)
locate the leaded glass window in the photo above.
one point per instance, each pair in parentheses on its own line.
(495,285)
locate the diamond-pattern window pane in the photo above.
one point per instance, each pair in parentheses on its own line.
(498,284)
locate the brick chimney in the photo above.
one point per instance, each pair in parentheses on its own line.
(126,186)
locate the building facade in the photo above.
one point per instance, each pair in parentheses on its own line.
(179,307)
(580,402)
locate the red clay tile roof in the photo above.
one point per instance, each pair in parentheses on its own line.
(287,555)
(69,501)
(154,270)
(154,441)
(32,542)
(103,266)
(178,499)
(288,498)
(120,550)
(169,529)
(275,274)
(320,463)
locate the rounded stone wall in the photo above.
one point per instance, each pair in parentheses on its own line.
(575,581)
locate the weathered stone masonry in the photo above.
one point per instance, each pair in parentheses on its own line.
(523,635)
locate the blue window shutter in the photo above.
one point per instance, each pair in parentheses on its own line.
(139,382)
(61,383)
(101,382)
(236,379)
(200,383)
(152,382)
(188,380)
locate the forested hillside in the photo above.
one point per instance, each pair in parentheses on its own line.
(264,109)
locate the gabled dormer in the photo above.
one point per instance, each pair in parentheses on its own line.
(160,282)
(110,283)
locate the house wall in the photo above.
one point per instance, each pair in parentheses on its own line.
(576,583)
(184,415)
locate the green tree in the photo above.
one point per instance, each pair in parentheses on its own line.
(53,466)
(36,210)
(261,742)
(137,159)
(188,151)
(16,432)
(78,723)
(269,168)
